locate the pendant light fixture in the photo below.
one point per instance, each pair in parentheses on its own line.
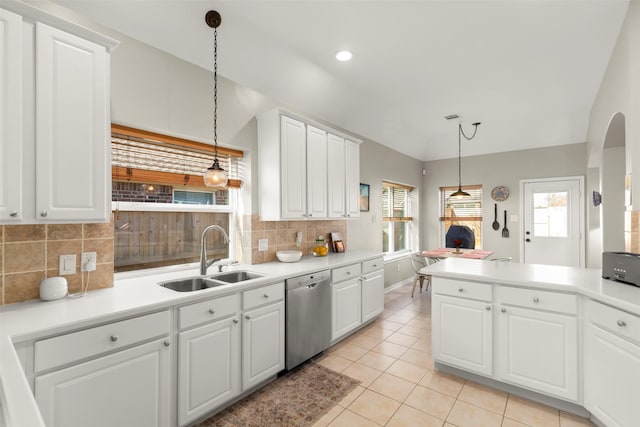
(215,176)
(461,194)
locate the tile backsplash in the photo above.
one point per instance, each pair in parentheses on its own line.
(281,235)
(30,253)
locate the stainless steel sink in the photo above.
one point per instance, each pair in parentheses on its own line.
(235,276)
(191,284)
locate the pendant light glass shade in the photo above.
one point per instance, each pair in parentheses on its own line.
(460,194)
(215,176)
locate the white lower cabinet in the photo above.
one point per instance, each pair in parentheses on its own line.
(612,365)
(372,295)
(129,387)
(346,307)
(462,332)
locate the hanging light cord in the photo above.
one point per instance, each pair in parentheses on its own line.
(215,93)
(468,138)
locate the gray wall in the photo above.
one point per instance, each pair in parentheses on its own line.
(490,171)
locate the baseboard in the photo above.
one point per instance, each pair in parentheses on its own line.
(395,286)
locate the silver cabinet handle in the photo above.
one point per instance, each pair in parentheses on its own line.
(247,317)
(535,299)
(265,296)
(235,320)
(310,214)
(460,289)
(14,214)
(114,338)
(488,308)
(166,343)
(44,213)
(504,310)
(211,311)
(622,323)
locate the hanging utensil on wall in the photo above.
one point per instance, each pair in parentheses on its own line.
(496,224)
(505,230)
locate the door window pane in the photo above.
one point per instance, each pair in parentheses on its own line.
(550,214)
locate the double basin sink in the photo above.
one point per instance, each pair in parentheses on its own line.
(197,283)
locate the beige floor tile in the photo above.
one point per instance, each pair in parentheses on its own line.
(444,383)
(365,341)
(407,371)
(376,331)
(376,360)
(350,351)
(466,415)
(349,398)
(420,322)
(508,422)
(418,358)
(430,402)
(402,317)
(570,420)
(351,419)
(402,339)
(531,413)
(329,416)
(365,374)
(375,407)
(484,397)
(414,332)
(389,324)
(423,344)
(392,386)
(406,416)
(390,349)
(335,363)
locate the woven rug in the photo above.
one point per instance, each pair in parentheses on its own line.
(298,398)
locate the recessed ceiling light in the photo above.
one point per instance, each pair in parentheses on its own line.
(344,55)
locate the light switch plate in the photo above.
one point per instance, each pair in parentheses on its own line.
(263,244)
(67,264)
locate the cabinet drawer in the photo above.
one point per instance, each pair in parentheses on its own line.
(345,273)
(264,295)
(209,310)
(92,342)
(617,321)
(463,289)
(372,265)
(540,300)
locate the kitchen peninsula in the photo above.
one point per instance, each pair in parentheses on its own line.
(560,335)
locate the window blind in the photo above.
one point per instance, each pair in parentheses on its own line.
(396,202)
(465,209)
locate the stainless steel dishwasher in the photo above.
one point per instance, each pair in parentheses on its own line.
(308,316)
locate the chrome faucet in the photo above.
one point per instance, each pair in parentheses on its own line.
(204,262)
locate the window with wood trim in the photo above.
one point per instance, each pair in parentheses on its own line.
(396,217)
(462,211)
(160,202)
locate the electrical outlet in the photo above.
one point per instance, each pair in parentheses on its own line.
(67,264)
(88,261)
(263,244)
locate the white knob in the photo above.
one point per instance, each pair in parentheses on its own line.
(114,338)
(535,299)
(622,323)
(211,311)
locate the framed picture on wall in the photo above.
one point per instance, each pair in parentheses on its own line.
(364,197)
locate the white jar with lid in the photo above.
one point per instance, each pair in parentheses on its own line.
(53,288)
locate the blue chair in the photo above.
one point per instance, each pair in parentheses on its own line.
(462,233)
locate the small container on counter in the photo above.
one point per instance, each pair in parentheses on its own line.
(321,248)
(53,288)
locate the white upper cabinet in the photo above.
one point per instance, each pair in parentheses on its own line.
(306,171)
(55,157)
(10,116)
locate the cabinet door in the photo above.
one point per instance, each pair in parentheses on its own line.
(293,158)
(539,350)
(73,178)
(316,172)
(346,307)
(372,295)
(611,377)
(127,388)
(262,344)
(336,168)
(208,368)
(462,333)
(352,179)
(11,182)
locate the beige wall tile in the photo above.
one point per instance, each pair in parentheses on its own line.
(99,231)
(64,231)
(24,233)
(22,287)
(103,248)
(24,257)
(63,247)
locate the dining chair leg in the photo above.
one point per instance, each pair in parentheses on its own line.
(421,282)
(415,282)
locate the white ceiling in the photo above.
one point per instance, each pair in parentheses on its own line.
(528,70)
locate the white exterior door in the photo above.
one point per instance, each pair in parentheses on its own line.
(553,222)
(10,116)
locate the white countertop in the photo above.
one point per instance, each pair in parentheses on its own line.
(131,294)
(582,281)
